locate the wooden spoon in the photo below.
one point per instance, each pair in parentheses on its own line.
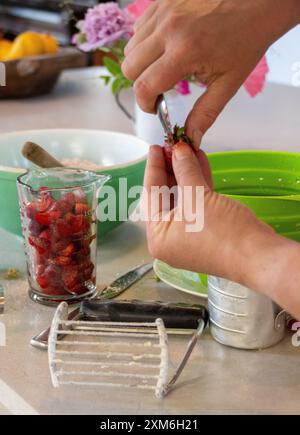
(40,157)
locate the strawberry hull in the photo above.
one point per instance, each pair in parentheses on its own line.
(179,137)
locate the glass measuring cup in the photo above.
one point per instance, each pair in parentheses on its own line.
(58,215)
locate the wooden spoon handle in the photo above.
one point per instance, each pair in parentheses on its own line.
(40,157)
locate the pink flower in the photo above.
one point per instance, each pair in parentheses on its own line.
(256,80)
(137,8)
(103,25)
(183,87)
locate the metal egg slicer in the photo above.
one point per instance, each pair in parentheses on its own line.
(122,354)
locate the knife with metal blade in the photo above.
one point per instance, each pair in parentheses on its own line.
(111,291)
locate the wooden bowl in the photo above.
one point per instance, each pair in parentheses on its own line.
(37,75)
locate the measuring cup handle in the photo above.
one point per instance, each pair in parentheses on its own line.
(280,320)
(123,108)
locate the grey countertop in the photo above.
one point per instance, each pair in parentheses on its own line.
(217,379)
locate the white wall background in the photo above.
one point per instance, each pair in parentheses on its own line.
(284,59)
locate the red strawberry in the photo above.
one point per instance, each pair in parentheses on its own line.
(78,223)
(40,259)
(68,251)
(55,290)
(168,151)
(42,218)
(70,276)
(52,274)
(42,282)
(34,228)
(47,218)
(41,245)
(31,210)
(85,264)
(62,261)
(88,271)
(84,252)
(64,206)
(40,269)
(81,208)
(86,268)
(80,289)
(43,249)
(31,241)
(45,200)
(63,229)
(59,245)
(72,225)
(46,235)
(69,197)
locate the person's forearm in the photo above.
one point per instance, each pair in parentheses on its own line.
(270,264)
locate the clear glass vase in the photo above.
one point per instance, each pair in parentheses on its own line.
(58,215)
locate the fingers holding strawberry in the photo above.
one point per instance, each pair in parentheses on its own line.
(178,138)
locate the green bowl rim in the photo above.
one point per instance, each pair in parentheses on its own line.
(284,153)
(252,152)
(16,170)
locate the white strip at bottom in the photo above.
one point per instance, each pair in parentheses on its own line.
(13,402)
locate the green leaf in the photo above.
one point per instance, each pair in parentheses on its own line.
(105,49)
(122,44)
(106,79)
(127,84)
(113,67)
(120,83)
(118,49)
(180,132)
(117,85)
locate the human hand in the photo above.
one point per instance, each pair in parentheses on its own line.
(218,41)
(226,222)
(233,243)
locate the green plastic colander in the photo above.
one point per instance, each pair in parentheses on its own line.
(265,181)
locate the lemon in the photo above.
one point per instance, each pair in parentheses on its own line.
(50,43)
(5,47)
(26,44)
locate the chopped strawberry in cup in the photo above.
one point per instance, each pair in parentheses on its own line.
(60,232)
